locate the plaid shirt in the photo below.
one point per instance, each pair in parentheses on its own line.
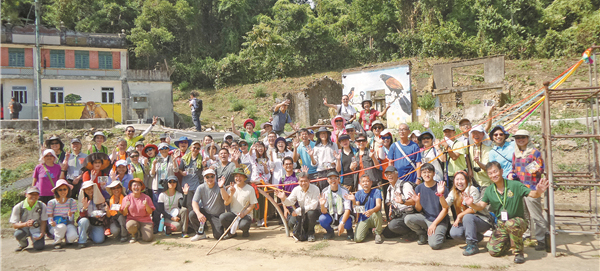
(528,179)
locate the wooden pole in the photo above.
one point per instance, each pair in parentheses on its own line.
(226,231)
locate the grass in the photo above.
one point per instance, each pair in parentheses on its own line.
(173,244)
(570,167)
(187,261)
(476,101)
(9,176)
(319,246)
(259,92)
(237,105)
(472,266)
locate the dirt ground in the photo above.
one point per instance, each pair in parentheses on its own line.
(270,249)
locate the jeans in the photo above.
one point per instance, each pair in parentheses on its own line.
(66,231)
(470,229)
(419,224)
(196,119)
(309,222)
(21,236)
(362,228)
(325,221)
(96,232)
(117,225)
(215,223)
(228,217)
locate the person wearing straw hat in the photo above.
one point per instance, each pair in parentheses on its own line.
(405,155)
(208,205)
(479,155)
(368,115)
(336,209)
(250,136)
(502,151)
(75,163)
(57,146)
(307,196)
(92,214)
(29,218)
(323,155)
(150,152)
(97,167)
(171,205)
(46,174)
(505,200)
(374,138)
(113,212)
(455,153)
(138,207)
(98,139)
(238,195)
(528,167)
(130,134)
(61,211)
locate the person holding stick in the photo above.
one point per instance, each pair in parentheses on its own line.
(239,195)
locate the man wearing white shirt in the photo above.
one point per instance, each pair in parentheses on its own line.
(307,197)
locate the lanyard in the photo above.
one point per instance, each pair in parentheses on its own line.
(171,200)
(48,174)
(497,195)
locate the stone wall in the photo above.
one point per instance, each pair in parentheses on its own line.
(49,125)
(307,105)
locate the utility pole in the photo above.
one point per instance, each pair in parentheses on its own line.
(38,78)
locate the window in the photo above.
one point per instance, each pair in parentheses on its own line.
(82,59)
(20,94)
(57,58)
(16,57)
(105,60)
(108,95)
(56,95)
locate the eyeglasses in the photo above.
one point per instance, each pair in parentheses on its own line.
(520,137)
(195,148)
(134,156)
(163,148)
(62,190)
(338,121)
(211,176)
(55,143)
(403,130)
(378,128)
(243,144)
(498,134)
(172,181)
(386,137)
(427,138)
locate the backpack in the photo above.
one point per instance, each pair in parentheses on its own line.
(414,185)
(38,209)
(17,107)
(198,107)
(298,231)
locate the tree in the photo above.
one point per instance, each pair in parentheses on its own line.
(72,98)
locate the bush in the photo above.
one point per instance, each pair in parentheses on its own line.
(237,105)
(274,95)
(10,199)
(251,110)
(259,92)
(184,86)
(426,101)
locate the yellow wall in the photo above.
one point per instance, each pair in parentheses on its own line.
(57,111)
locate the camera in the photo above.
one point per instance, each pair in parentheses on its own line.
(36,224)
(477,169)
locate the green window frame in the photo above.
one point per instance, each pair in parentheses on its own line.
(105,60)
(57,58)
(82,59)
(16,57)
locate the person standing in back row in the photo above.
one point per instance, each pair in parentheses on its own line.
(281,117)
(196,106)
(14,108)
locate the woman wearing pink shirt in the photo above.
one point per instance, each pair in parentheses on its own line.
(138,207)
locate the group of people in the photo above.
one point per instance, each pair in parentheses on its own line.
(351,178)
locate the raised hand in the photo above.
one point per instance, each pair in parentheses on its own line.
(467,199)
(281,194)
(154,120)
(415,197)
(350,197)
(65,163)
(186,188)
(221,181)
(86,204)
(310,150)
(441,187)
(93,174)
(337,155)
(232,118)
(542,185)
(322,200)
(176,153)
(232,188)
(113,174)
(295,142)
(325,101)
(304,169)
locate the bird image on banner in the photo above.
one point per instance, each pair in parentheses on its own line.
(351,94)
(397,91)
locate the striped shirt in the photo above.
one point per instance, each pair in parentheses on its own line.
(61,209)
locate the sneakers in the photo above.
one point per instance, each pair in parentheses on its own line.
(133,240)
(57,245)
(260,223)
(422,240)
(488,233)
(311,238)
(519,258)
(541,246)
(167,230)
(198,237)
(378,239)
(246,234)
(20,248)
(185,235)
(123,239)
(329,235)
(350,237)
(82,245)
(471,249)
(229,236)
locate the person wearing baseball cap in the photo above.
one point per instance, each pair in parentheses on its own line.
(210,194)
(29,218)
(250,136)
(75,164)
(454,152)
(190,168)
(162,167)
(479,154)
(241,198)
(528,168)
(398,204)
(165,138)
(336,208)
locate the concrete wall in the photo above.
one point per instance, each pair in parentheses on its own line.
(493,71)
(160,99)
(29,109)
(57,124)
(307,105)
